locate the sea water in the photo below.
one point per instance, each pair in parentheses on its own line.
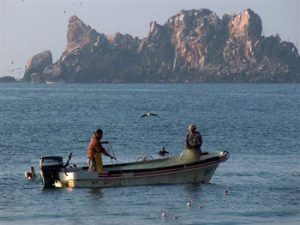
(257,123)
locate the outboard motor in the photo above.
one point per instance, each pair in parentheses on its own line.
(49,168)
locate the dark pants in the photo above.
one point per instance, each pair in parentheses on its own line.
(92,165)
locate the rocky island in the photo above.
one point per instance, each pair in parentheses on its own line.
(192,46)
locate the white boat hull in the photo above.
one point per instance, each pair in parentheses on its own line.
(175,170)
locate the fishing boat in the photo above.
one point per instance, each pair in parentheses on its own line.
(188,167)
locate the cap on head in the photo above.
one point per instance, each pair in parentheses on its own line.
(99,131)
(192,127)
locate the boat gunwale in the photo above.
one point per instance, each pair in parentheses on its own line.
(145,171)
(215,158)
(107,176)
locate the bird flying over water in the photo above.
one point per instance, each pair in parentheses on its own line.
(149,114)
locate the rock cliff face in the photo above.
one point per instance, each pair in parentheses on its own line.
(192,46)
(36,65)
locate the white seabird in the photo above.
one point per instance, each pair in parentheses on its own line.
(149,114)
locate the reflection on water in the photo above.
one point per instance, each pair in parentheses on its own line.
(96,193)
(193,190)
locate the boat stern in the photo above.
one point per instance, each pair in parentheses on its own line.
(49,167)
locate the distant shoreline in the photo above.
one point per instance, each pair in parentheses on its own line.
(10,79)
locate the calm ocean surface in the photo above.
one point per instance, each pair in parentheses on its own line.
(259,124)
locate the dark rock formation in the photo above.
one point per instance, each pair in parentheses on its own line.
(7,79)
(36,66)
(192,46)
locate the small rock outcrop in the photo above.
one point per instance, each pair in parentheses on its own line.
(36,65)
(7,79)
(192,46)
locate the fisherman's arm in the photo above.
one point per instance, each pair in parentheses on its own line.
(200,139)
(187,142)
(100,149)
(107,154)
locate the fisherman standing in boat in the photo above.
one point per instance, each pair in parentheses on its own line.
(193,139)
(95,147)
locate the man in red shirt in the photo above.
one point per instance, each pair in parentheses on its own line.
(95,146)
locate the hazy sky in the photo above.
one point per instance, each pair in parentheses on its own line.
(28,27)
